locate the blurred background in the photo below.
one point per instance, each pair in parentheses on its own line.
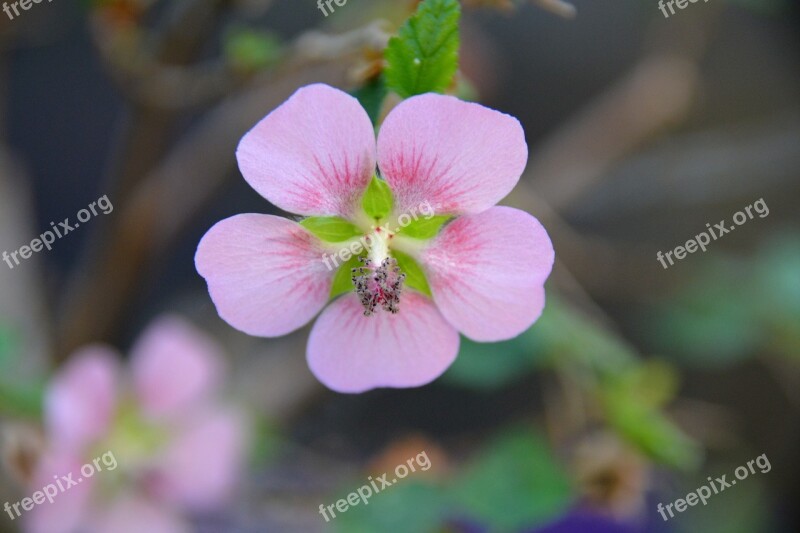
(635,386)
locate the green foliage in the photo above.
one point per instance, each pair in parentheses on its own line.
(251,50)
(415,276)
(17,399)
(343,280)
(331,229)
(423,57)
(631,402)
(407,506)
(21,400)
(491,366)
(7,344)
(568,335)
(371,96)
(424,228)
(377,201)
(515,483)
(708,324)
(267,441)
(631,392)
(560,334)
(744,508)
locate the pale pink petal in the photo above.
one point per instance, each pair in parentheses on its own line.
(133,514)
(200,468)
(175,366)
(66,506)
(460,157)
(265,274)
(487,272)
(350,352)
(313,155)
(81,399)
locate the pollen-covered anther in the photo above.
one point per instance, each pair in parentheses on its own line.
(378,285)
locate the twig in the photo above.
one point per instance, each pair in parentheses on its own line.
(100,293)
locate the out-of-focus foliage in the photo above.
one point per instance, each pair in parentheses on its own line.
(707,323)
(494,365)
(630,392)
(516,482)
(423,57)
(16,398)
(632,402)
(6,344)
(408,506)
(371,96)
(512,483)
(251,50)
(743,508)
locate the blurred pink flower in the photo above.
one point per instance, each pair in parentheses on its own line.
(175,446)
(315,155)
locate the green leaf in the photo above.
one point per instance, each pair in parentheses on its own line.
(494,365)
(423,57)
(8,344)
(371,96)
(408,506)
(378,201)
(490,366)
(630,402)
(251,50)
(21,400)
(343,280)
(415,276)
(331,229)
(424,228)
(516,483)
(587,344)
(266,441)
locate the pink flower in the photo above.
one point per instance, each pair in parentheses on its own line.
(315,155)
(159,442)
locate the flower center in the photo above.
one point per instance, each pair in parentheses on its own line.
(380,280)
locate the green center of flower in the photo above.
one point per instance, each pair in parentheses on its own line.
(375,252)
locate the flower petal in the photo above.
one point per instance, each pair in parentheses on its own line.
(81,399)
(460,157)
(487,272)
(265,274)
(313,155)
(69,508)
(199,469)
(175,367)
(134,514)
(350,352)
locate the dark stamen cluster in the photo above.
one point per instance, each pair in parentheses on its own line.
(378,285)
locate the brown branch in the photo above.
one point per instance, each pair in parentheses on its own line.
(99,297)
